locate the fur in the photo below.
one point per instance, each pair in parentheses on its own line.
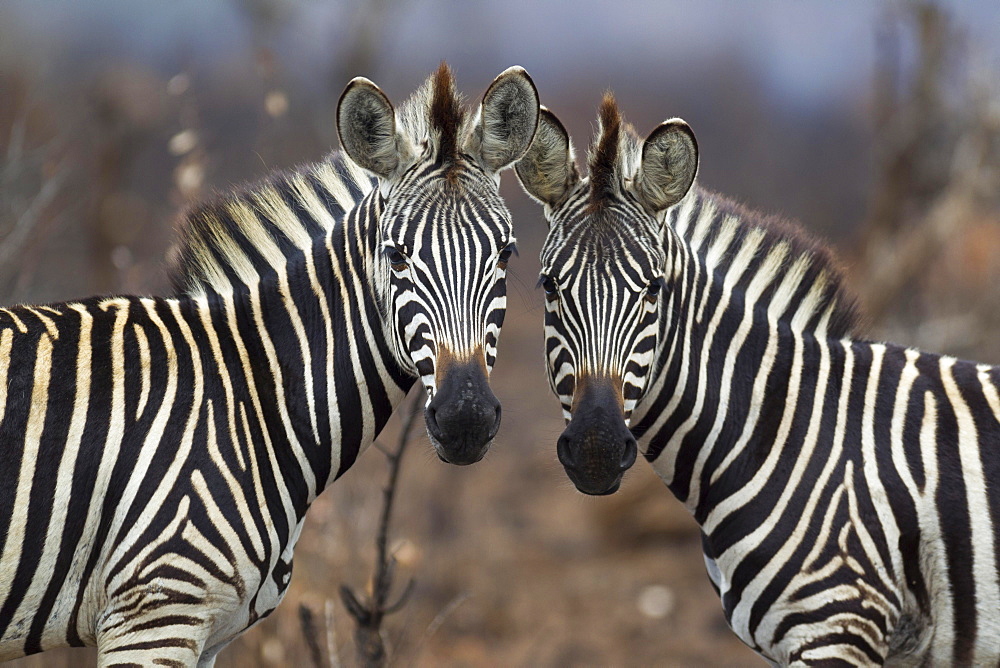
(668,167)
(603,161)
(802,252)
(508,120)
(548,170)
(447,116)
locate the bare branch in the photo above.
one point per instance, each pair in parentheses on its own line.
(935,157)
(21,228)
(368,612)
(311,634)
(438,620)
(403,598)
(950,214)
(25,192)
(331,634)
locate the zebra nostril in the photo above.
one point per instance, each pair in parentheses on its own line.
(563,451)
(430,414)
(496,422)
(630,454)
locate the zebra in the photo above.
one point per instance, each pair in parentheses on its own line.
(158,455)
(844,488)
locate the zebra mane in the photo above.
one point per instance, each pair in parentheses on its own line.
(435,113)
(612,155)
(244,236)
(806,284)
(239,238)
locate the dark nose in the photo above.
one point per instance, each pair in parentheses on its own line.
(597,447)
(569,451)
(464,416)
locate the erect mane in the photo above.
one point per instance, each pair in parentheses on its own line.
(806,284)
(602,162)
(435,113)
(804,272)
(239,238)
(446,114)
(611,156)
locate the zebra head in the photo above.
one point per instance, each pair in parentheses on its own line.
(444,237)
(606,267)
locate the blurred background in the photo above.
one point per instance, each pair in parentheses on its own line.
(877,125)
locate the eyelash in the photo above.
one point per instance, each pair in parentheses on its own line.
(396,257)
(549,285)
(653,290)
(510,249)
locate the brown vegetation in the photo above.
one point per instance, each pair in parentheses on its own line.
(512,566)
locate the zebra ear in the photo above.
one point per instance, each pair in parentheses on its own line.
(366,123)
(668,166)
(506,121)
(548,170)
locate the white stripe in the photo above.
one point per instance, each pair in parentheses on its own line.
(984,564)
(145,364)
(14,539)
(63,488)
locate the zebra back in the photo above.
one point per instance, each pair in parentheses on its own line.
(801,271)
(237,239)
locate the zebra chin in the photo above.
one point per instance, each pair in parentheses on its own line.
(463,417)
(597,447)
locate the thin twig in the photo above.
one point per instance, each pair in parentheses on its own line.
(26,221)
(436,623)
(368,612)
(932,170)
(308,623)
(332,654)
(21,213)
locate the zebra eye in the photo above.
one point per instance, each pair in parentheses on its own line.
(653,291)
(550,287)
(505,254)
(396,258)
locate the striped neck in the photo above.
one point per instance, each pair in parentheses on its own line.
(712,412)
(320,349)
(746,299)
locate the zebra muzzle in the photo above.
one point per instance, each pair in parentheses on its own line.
(464,416)
(596,448)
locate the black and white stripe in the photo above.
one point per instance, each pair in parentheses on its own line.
(158,455)
(843,487)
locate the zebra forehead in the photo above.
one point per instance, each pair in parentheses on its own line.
(630,246)
(619,215)
(601,277)
(429,181)
(451,210)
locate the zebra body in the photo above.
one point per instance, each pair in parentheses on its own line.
(170,452)
(842,486)
(159,454)
(184,513)
(838,484)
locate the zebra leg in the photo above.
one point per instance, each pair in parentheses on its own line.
(853,636)
(175,641)
(837,650)
(207,659)
(208,655)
